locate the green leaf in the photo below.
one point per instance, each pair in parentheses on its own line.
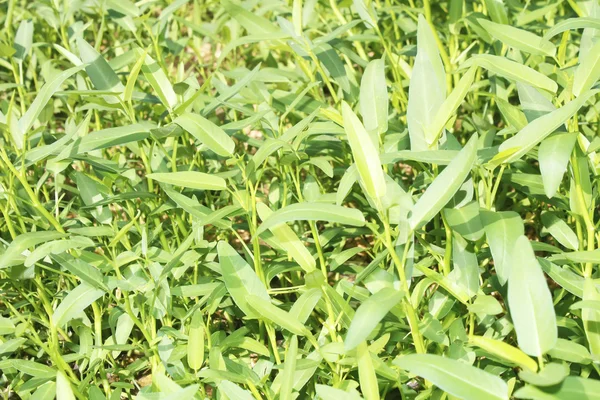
(427,88)
(530,301)
(47,391)
(588,72)
(39,153)
(252,22)
(439,157)
(112,137)
(465,221)
(570,351)
(330,393)
(366,373)
(366,12)
(195,347)
(559,229)
(374,98)
(552,374)
(208,133)
(133,75)
(572,23)
(512,70)
(240,279)
(455,377)
(313,212)
(553,156)
(333,65)
(57,247)
(101,74)
(23,39)
(288,240)
(591,317)
(449,106)
(466,267)
(512,114)
(519,38)
(369,314)
(365,154)
(159,82)
(190,179)
(74,303)
(534,103)
(194,208)
(32,368)
(573,387)
(63,387)
(445,185)
(126,7)
(12,255)
(233,391)
(540,128)
(497,11)
(264,309)
(6,326)
(502,230)
(505,351)
(42,98)
(487,305)
(289,368)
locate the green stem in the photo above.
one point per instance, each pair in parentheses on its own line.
(34,199)
(413,320)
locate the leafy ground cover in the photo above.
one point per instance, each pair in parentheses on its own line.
(299,199)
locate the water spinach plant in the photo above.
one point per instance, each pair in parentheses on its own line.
(299,199)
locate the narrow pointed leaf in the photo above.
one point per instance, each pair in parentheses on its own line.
(443,188)
(519,38)
(253,23)
(427,89)
(450,105)
(195,348)
(540,128)
(512,70)
(101,74)
(553,156)
(573,387)
(233,391)
(455,377)
(366,373)
(559,229)
(588,72)
(240,279)
(42,98)
(365,154)
(289,368)
(265,309)
(12,254)
(313,212)
(369,314)
(207,132)
(190,179)
(374,97)
(75,302)
(572,23)
(505,351)
(530,301)
(23,39)
(63,387)
(289,240)
(466,268)
(159,82)
(591,317)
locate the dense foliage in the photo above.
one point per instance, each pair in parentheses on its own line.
(299,199)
